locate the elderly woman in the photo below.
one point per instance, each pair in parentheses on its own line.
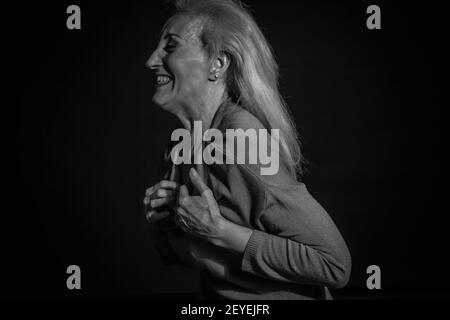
(252,236)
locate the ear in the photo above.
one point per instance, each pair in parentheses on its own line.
(219,66)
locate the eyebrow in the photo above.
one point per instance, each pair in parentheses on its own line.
(172,35)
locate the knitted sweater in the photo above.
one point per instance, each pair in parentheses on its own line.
(295,250)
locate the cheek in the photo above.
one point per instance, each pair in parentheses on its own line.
(192,74)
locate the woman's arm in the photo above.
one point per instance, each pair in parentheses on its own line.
(304,245)
(283,259)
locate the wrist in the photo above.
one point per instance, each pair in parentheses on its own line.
(232,237)
(220,239)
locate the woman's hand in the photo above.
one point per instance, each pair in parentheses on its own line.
(199,215)
(161,194)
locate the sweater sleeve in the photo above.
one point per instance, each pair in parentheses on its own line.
(294,239)
(300,244)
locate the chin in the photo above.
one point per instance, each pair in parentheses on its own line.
(165,105)
(158,100)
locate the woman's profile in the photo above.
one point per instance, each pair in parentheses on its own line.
(252,236)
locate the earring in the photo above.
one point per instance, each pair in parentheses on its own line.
(216,75)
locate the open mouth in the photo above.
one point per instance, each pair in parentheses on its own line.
(162,80)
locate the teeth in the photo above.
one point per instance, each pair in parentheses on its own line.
(163,80)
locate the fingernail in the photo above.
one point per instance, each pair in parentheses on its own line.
(193,171)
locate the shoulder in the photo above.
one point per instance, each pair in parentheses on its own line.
(236,117)
(247,148)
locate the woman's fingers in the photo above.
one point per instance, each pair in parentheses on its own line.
(154,216)
(184,192)
(203,189)
(157,203)
(165,184)
(167,196)
(197,181)
(163,193)
(162,189)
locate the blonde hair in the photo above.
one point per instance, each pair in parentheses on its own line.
(252,77)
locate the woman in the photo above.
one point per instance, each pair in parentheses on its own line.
(253,236)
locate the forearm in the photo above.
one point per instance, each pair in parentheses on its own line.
(233,237)
(283,259)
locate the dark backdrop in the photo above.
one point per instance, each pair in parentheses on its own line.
(88,140)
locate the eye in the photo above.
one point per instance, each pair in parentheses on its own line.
(170,46)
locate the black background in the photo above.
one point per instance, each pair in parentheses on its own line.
(88,139)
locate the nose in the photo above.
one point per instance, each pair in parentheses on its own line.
(155,59)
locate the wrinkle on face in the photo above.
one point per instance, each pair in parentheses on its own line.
(188,64)
(192,94)
(188,27)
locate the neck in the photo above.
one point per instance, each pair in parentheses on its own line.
(202,110)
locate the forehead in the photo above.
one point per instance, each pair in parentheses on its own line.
(185,26)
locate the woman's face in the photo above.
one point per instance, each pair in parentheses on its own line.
(180,64)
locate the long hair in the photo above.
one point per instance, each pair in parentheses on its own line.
(252,78)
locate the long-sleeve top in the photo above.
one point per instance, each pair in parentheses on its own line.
(295,250)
